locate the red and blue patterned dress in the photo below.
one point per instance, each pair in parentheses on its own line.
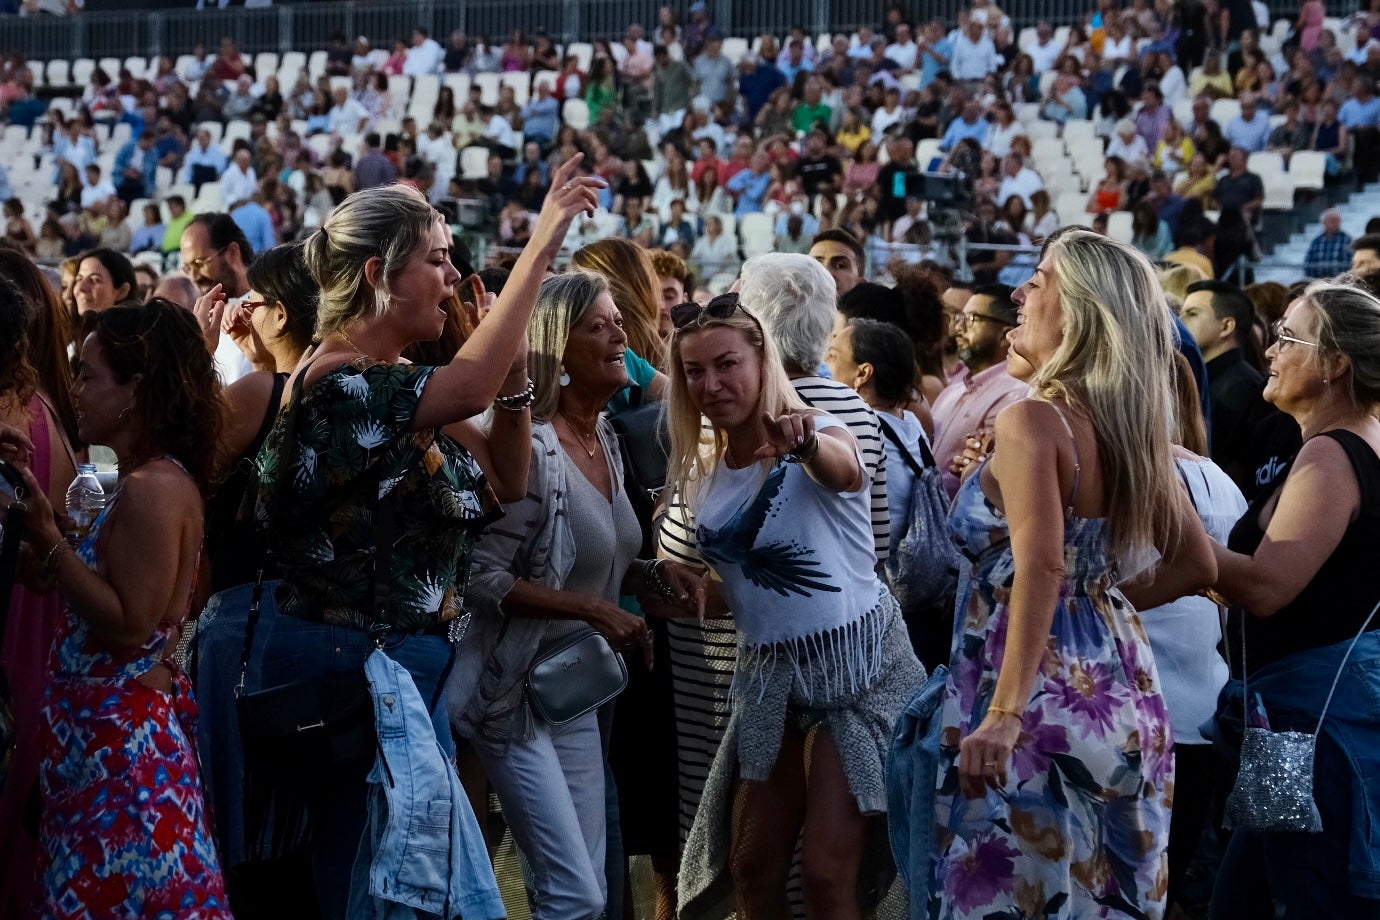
(124,831)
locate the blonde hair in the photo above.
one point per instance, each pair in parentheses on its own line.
(1175,280)
(562,300)
(636,291)
(696,449)
(1118,341)
(389,222)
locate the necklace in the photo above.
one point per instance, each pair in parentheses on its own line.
(351,342)
(579,437)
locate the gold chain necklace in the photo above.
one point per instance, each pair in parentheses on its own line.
(579,437)
(351,342)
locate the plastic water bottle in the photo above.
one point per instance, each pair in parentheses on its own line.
(85,499)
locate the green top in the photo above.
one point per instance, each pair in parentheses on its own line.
(354,448)
(598,97)
(806,115)
(172,232)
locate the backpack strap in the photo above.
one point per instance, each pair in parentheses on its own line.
(925,455)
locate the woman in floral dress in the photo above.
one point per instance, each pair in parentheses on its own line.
(124,827)
(1056,770)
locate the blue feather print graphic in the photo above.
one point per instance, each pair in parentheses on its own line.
(781,567)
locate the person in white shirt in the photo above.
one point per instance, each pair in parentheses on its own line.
(239,182)
(716,253)
(425,55)
(348,115)
(904,52)
(1173,84)
(1018,180)
(95,188)
(1129,145)
(1046,51)
(889,114)
(974,56)
(1003,130)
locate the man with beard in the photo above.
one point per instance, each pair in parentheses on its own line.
(969,405)
(216,252)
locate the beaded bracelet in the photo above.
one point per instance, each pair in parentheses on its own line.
(517,402)
(653,574)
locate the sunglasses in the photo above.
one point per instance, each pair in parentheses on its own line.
(721,307)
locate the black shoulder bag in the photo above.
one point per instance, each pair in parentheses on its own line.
(297,735)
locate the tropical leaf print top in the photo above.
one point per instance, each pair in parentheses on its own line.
(351,448)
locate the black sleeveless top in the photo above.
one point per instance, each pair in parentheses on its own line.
(234,546)
(1333,605)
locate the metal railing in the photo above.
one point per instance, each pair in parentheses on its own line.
(306,26)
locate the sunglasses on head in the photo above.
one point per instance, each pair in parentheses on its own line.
(721,307)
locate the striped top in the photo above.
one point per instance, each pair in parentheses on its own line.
(843,403)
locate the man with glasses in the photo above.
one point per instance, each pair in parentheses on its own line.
(969,405)
(1251,439)
(215,251)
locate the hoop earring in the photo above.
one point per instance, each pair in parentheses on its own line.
(123,413)
(565,377)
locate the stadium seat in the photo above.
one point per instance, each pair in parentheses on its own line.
(82,69)
(1308,169)
(1224,110)
(1119,226)
(1038,129)
(1279,192)
(316,64)
(927,150)
(295,61)
(521,83)
(1079,134)
(344,83)
(474,163)
(137,67)
(216,129)
(584,53)
(1047,149)
(111,66)
(265,65)
(36,70)
(575,112)
(59,73)
(548,77)
(1265,163)
(208,199)
(488,87)
(1072,208)
(182,63)
(235,130)
(734,48)
(756,234)
(459,84)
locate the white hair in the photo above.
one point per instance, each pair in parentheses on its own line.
(797,300)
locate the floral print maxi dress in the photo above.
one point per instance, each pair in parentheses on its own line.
(1081,827)
(124,829)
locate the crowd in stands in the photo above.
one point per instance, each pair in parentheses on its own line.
(1173,116)
(377,511)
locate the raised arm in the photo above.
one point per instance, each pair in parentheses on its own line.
(468,384)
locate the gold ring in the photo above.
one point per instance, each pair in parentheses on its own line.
(989,763)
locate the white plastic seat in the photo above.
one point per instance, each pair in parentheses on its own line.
(216,129)
(1308,169)
(137,67)
(1119,226)
(82,68)
(584,53)
(521,83)
(1266,162)
(575,112)
(1080,134)
(488,84)
(265,64)
(1036,130)
(316,64)
(474,162)
(111,66)
(757,234)
(1279,192)
(59,73)
(734,48)
(1072,208)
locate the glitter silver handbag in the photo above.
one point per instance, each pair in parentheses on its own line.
(1274,784)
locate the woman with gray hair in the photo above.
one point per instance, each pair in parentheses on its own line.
(371,506)
(551,569)
(1300,565)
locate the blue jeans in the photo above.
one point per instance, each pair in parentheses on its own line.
(553,789)
(300,650)
(219,646)
(1297,876)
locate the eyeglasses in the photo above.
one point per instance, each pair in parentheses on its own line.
(198,264)
(252,305)
(721,307)
(1277,328)
(964,320)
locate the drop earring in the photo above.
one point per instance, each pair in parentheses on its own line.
(565,376)
(123,413)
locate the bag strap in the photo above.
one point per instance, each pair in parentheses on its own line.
(894,438)
(1246,705)
(15,522)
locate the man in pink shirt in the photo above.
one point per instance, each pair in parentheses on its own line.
(970,404)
